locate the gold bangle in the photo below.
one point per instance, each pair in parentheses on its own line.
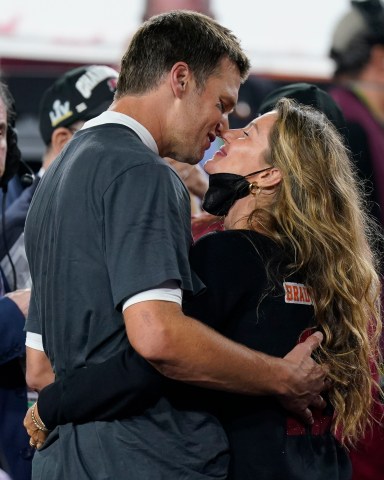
(39,424)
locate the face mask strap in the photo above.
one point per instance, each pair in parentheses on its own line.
(258,171)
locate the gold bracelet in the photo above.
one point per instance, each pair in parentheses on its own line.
(39,424)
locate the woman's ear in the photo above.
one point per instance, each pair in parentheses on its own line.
(180,74)
(269,178)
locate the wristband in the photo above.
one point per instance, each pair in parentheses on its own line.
(38,423)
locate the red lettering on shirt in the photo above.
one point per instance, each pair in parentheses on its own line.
(296,293)
(288,293)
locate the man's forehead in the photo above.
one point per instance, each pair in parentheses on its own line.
(229,77)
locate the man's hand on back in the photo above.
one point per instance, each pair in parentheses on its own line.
(305,380)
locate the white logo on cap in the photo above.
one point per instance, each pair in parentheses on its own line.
(60,111)
(81,107)
(92,77)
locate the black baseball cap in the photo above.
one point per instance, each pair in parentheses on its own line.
(79,94)
(307,94)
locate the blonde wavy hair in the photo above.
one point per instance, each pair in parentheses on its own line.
(318,214)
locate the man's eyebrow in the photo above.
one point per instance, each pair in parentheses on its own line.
(229,101)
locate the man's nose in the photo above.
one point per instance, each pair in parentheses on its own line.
(222,126)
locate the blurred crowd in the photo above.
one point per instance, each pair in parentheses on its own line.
(356,87)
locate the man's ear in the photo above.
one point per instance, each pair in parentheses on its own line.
(59,138)
(269,178)
(180,75)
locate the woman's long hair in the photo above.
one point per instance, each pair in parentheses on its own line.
(319,216)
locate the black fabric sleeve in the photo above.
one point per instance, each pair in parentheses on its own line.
(122,386)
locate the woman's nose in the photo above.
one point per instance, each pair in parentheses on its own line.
(229,135)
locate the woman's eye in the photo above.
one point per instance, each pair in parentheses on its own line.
(246,133)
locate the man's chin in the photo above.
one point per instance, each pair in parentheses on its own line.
(191,160)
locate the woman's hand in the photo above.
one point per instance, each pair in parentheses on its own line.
(38,435)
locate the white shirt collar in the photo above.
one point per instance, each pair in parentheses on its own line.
(122,119)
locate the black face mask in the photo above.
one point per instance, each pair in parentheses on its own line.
(224,189)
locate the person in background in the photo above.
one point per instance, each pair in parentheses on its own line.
(75,97)
(155,7)
(15,189)
(107,240)
(357,49)
(17,453)
(307,94)
(195,180)
(266,182)
(3,474)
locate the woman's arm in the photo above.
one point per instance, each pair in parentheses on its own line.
(123,385)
